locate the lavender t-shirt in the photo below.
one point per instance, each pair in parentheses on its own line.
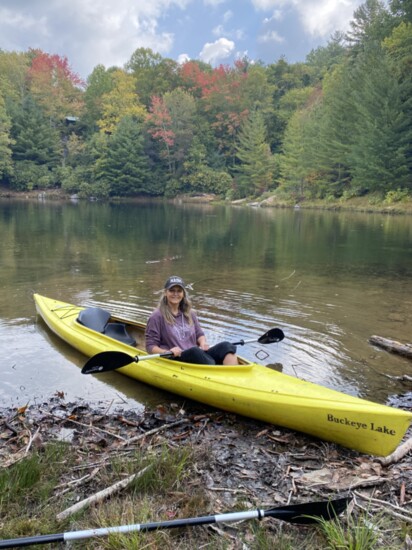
(162,334)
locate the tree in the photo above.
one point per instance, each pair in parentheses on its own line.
(255,173)
(402,9)
(55,86)
(6,165)
(199,177)
(171,123)
(325,58)
(154,74)
(99,83)
(124,167)
(371,23)
(13,75)
(121,101)
(34,139)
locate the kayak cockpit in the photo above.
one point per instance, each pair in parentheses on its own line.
(99,320)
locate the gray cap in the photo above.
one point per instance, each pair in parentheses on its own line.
(174,280)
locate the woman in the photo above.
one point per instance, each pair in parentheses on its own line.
(174,327)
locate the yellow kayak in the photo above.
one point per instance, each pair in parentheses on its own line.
(248,389)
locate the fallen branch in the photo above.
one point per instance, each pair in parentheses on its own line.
(151,432)
(392,345)
(384,504)
(101,495)
(398,454)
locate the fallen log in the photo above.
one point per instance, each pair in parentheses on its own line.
(392,345)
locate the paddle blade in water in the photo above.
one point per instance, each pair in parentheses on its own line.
(107,361)
(272,336)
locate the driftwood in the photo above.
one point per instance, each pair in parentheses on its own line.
(392,345)
(101,495)
(399,453)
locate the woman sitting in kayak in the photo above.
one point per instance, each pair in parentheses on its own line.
(174,327)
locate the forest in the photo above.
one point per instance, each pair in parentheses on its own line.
(336,126)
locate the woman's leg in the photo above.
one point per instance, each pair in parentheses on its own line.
(196,355)
(224,353)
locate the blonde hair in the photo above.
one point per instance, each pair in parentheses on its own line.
(185,307)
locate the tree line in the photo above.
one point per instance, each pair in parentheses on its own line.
(338,125)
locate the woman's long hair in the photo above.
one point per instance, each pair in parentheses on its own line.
(185,307)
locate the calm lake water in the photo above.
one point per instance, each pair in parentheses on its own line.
(329,280)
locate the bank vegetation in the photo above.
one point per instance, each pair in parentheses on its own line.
(335,128)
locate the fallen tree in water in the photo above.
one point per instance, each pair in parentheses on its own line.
(392,345)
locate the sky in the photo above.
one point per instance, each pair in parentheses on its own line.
(107,32)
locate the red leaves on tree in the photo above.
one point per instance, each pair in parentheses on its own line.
(53,68)
(160,122)
(54,84)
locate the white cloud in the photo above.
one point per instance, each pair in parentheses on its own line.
(321,18)
(318,17)
(183,58)
(277,16)
(271,36)
(227,15)
(90,31)
(216,51)
(218,31)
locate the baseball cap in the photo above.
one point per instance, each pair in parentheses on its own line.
(174,280)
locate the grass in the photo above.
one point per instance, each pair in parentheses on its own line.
(34,489)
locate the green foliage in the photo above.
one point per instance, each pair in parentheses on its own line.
(198,176)
(34,138)
(25,481)
(6,166)
(397,195)
(339,125)
(354,534)
(255,173)
(28,175)
(325,58)
(124,167)
(378,158)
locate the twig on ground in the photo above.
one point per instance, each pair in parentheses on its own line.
(398,454)
(101,495)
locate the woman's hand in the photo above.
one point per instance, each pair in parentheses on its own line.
(177,352)
(203,344)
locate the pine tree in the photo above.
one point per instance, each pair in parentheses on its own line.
(125,166)
(378,159)
(255,173)
(34,138)
(6,165)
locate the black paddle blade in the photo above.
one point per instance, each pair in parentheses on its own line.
(272,336)
(107,361)
(310,512)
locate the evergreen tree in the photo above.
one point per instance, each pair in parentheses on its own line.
(402,9)
(34,138)
(6,166)
(378,159)
(124,167)
(255,173)
(371,23)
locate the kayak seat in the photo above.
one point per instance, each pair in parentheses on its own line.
(95,318)
(118,332)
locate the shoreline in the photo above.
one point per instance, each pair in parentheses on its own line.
(363,205)
(231,463)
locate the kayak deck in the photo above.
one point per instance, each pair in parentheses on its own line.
(248,388)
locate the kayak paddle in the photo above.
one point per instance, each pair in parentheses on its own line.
(111,360)
(307,513)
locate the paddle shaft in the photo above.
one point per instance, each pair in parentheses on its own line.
(294,514)
(111,360)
